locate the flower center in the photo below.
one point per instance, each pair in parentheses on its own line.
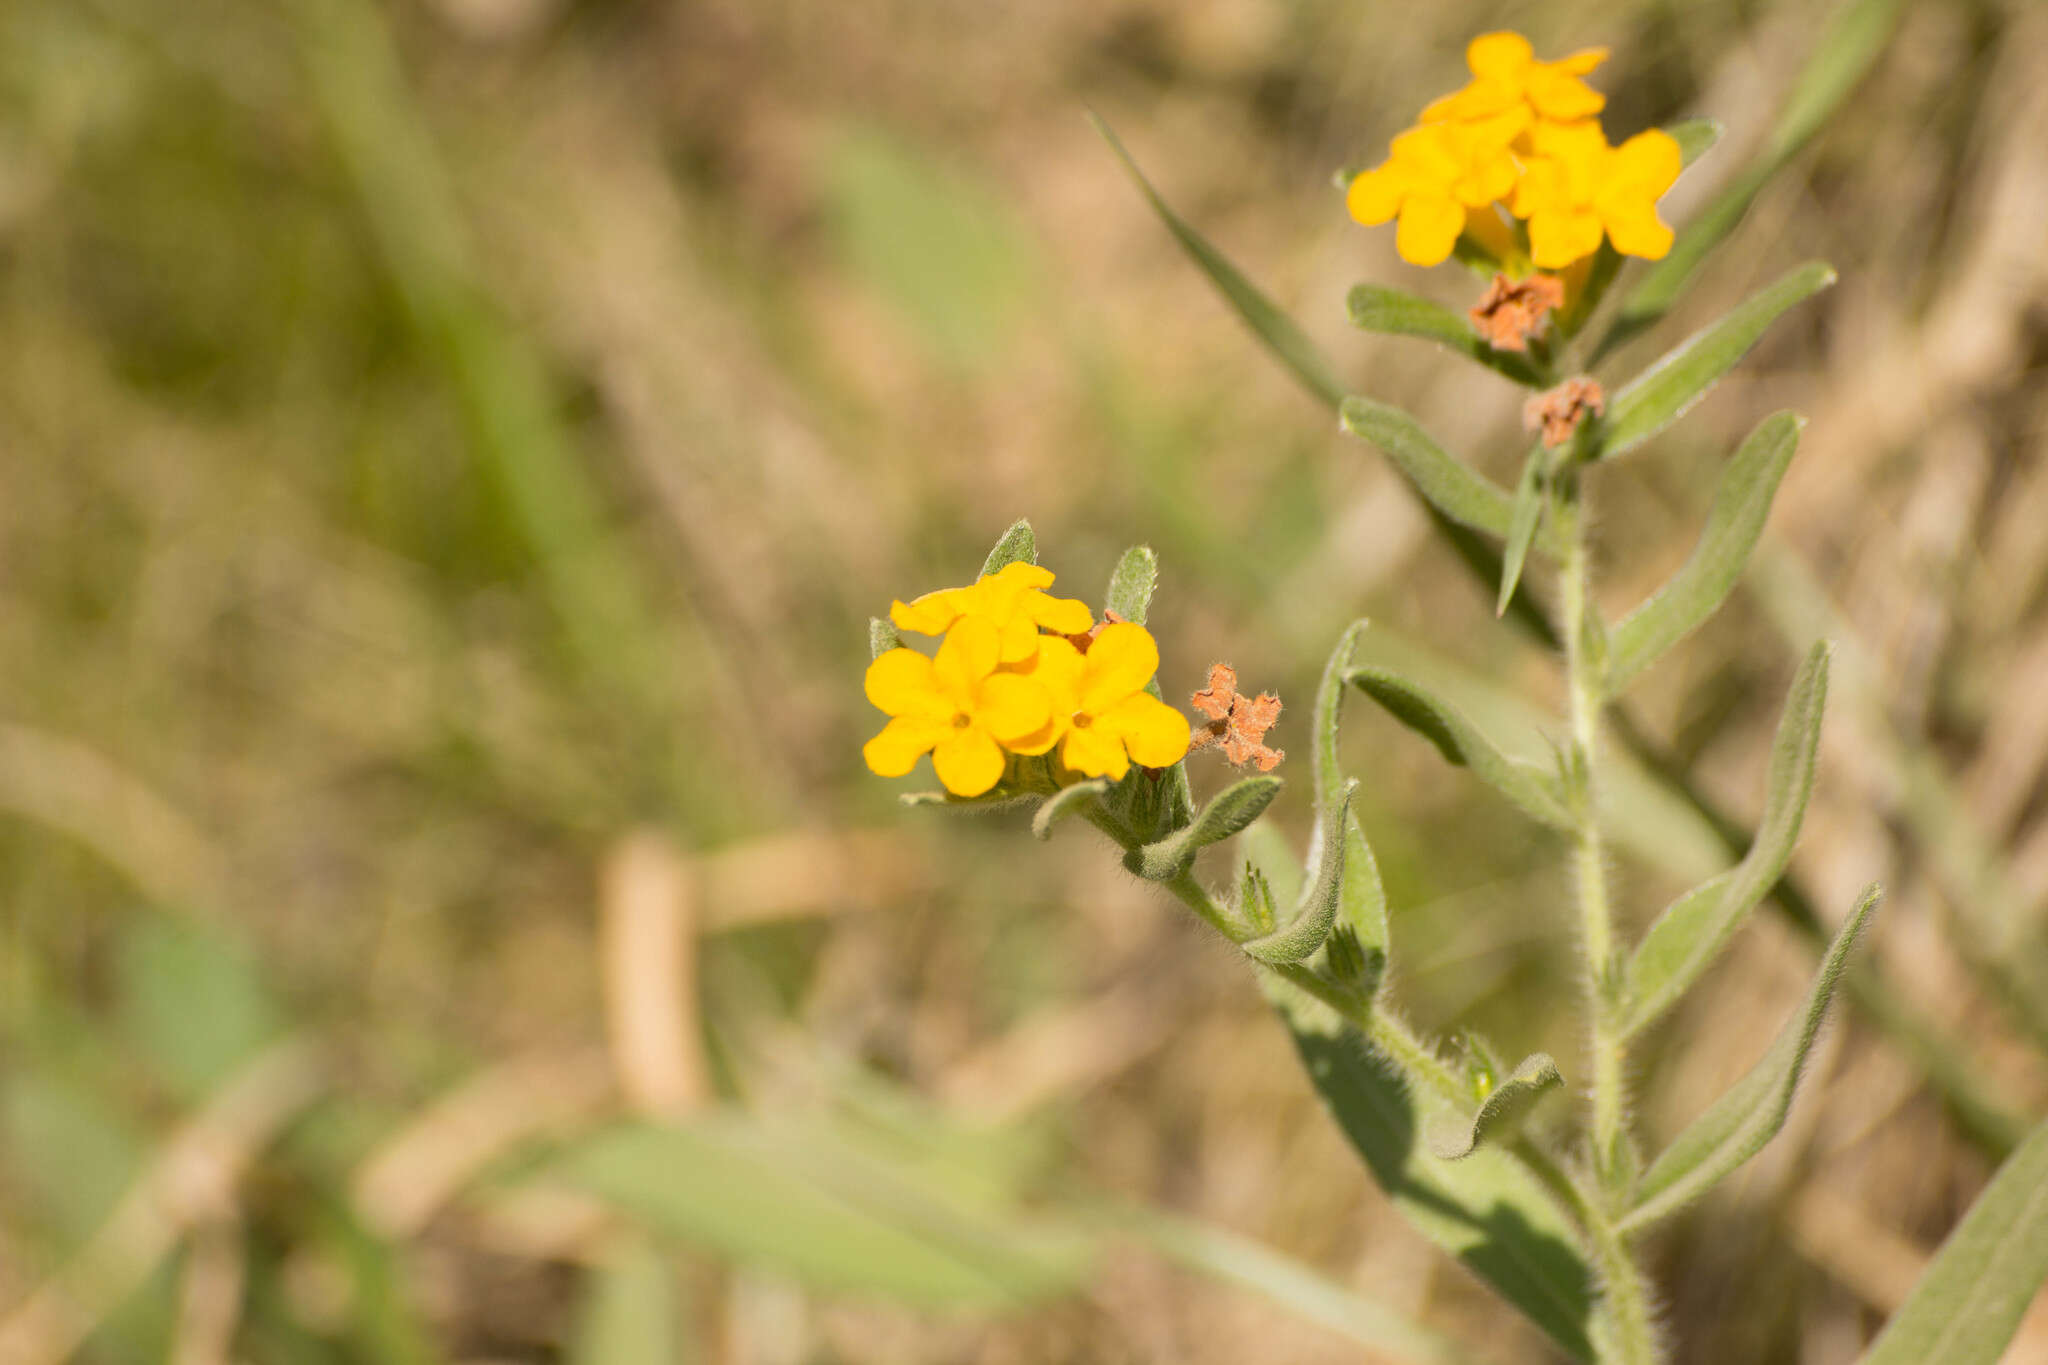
(1082,720)
(961,720)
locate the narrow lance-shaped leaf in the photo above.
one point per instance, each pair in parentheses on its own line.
(1661,394)
(1364,908)
(1742,504)
(1840,60)
(1018,544)
(1486,1210)
(1692,931)
(1456,1136)
(1695,137)
(1067,801)
(1736,1126)
(1461,743)
(1298,939)
(1454,489)
(1279,332)
(882,637)
(1969,1303)
(1375,308)
(1131,585)
(1229,811)
(1521,527)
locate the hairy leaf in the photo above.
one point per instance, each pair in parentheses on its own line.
(1229,811)
(1376,308)
(1736,1126)
(1741,506)
(1695,137)
(1067,801)
(1456,1136)
(1304,933)
(1968,1305)
(1528,786)
(1522,525)
(1693,930)
(1364,908)
(1017,544)
(1462,494)
(1661,394)
(882,637)
(1130,586)
(1282,336)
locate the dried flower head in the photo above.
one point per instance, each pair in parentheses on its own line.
(1236,723)
(1512,311)
(1559,411)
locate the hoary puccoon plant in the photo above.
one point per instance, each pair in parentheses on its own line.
(1037,700)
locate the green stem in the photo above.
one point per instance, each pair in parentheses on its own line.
(1589,857)
(1621,1280)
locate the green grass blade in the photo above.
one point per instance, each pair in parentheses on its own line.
(1968,1305)
(1742,504)
(630,1313)
(1690,934)
(1663,393)
(1736,1126)
(1462,743)
(1279,333)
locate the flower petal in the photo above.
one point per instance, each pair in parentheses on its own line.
(1501,55)
(903,740)
(931,613)
(1580,62)
(1560,95)
(1154,733)
(968,762)
(1020,575)
(1430,224)
(1635,230)
(1375,195)
(1067,615)
(1011,706)
(900,682)
(1648,163)
(1095,754)
(1559,237)
(969,654)
(1017,640)
(1120,661)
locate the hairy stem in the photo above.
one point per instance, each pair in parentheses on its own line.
(1621,1281)
(1589,858)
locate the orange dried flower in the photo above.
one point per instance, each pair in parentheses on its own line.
(1236,723)
(1559,411)
(1512,311)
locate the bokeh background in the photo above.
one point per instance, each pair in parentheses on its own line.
(452,450)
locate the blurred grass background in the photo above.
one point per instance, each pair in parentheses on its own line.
(453,448)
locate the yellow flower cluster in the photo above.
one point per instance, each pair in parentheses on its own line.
(1525,134)
(1001,685)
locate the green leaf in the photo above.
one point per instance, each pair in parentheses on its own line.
(1969,1303)
(1528,514)
(1281,335)
(1486,1210)
(1663,393)
(1455,1136)
(1068,801)
(1742,504)
(630,1314)
(1229,811)
(805,1203)
(1693,930)
(1840,60)
(1304,933)
(1695,137)
(193,1001)
(1364,909)
(1736,1126)
(1460,493)
(1130,586)
(1376,308)
(1528,786)
(1018,545)
(882,638)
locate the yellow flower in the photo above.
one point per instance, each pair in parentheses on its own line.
(1102,718)
(1506,75)
(1013,600)
(1434,177)
(956,706)
(1576,187)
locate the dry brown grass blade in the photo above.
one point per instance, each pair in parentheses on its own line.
(648,947)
